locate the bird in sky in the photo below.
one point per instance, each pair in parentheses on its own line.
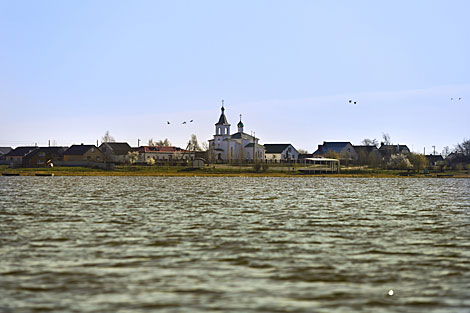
(460,99)
(351,101)
(191,121)
(168,122)
(184,122)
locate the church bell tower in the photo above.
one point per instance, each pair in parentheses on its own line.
(222,127)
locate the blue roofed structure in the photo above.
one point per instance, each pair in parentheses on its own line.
(344,148)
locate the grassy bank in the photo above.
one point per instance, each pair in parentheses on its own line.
(220,170)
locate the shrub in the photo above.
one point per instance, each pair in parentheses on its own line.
(257,167)
(399,162)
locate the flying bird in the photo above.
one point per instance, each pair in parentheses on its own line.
(350,100)
(184,122)
(451,99)
(191,121)
(460,99)
(168,122)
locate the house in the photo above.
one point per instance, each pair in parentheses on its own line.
(345,150)
(83,153)
(239,147)
(388,150)
(163,154)
(280,153)
(434,160)
(44,156)
(4,151)
(115,152)
(16,155)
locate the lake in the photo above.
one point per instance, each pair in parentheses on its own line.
(234,244)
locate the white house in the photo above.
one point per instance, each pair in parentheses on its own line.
(239,147)
(280,152)
(163,154)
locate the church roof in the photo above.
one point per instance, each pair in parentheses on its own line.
(222,118)
(241,135)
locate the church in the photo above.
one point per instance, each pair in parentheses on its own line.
(237,148)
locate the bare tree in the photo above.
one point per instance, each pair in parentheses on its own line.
(302,151)
(463,148)
(205,146)
(193,144)
(386,139)
(445,152)
(370,142)
(107,137)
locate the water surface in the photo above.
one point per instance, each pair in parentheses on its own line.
(148,244)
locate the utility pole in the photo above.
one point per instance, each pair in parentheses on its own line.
(254,146)
(138,142)
(434,153)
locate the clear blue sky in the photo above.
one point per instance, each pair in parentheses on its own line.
(71,70)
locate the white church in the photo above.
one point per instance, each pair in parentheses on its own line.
(236,148)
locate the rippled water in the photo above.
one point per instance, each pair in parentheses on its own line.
(138,244)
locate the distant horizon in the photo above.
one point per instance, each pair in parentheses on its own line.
(289,69)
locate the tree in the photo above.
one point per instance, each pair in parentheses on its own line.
(399,162)
(205,146)
(132,157)
(386,139)
(445,152)
(370,142)
(463,148)
(332,154)
(418,161)
(373,159)
(302,151)
(107,137)
(163,143)
(193,144)
(362,158)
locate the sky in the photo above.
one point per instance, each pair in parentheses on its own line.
(72,70)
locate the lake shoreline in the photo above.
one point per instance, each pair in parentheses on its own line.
(232,174)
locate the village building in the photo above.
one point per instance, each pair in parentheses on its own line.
(115,152)
(83,153)
(435,160)
(4,151)
(44,156)
(388,150)
(233,148)
(280,153)
(345,150)
(162,154)
(15,157)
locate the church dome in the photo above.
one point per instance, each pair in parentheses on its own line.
(240,124)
